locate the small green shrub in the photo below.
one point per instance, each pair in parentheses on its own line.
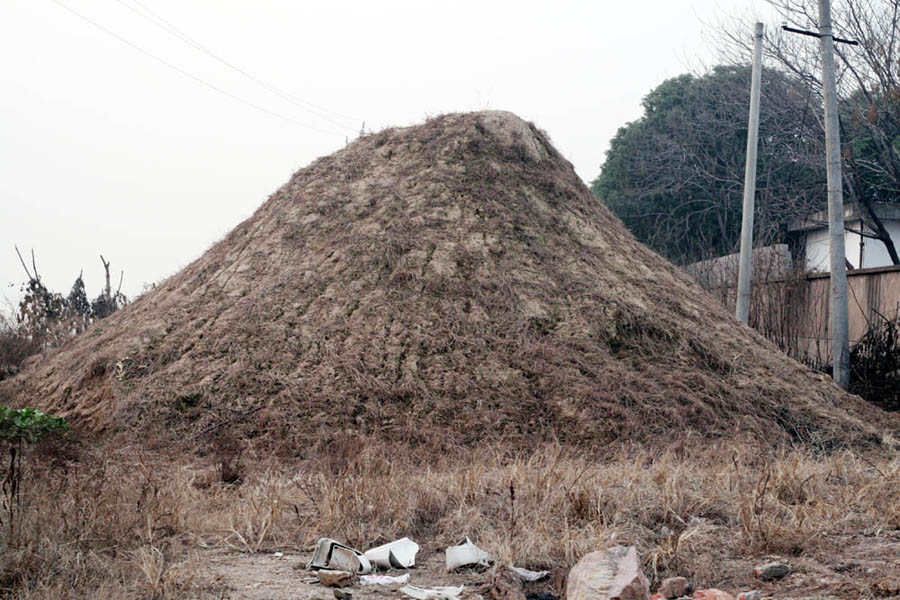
(28,425)
(18,427)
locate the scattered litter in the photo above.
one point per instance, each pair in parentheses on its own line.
(340,594)
(383,579)
(437,593)
(466,555)
(331,578)
(278,554)
(541,596)
(330,554)
(400,554)
(310,580)
(529,576)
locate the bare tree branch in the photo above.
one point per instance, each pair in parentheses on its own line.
(24,266)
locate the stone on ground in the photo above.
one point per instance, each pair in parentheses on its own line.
(673,587)
(331,578)
(712,594)
(506,585)
(612,574)
(771,571)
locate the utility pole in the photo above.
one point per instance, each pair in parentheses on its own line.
(840,325)
(745,269)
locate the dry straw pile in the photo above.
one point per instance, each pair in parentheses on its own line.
(437,285)
(438,332)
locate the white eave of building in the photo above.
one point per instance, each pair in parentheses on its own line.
(852,212)
(861,252)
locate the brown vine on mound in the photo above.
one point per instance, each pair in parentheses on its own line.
(452,281)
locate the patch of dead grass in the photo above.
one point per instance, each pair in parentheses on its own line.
(128,525)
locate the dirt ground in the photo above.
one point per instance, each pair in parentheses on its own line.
(855,566)
(267,577)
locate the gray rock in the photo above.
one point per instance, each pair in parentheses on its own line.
(335,578)
(673,587)
(771,571)
(612,574)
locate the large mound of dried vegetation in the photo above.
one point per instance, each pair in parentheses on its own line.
(440,284)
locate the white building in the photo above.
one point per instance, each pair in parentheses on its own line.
(862,252)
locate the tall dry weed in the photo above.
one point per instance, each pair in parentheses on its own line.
(128,522)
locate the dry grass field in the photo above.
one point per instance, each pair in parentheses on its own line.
(127,524)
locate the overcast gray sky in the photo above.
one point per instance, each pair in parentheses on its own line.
(106,149)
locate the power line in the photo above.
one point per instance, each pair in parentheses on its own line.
(271,87)
(159,21)
(188,74)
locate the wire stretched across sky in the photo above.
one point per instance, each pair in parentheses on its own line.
(159,21)
(191,76)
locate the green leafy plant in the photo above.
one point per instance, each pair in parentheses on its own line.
(28,425)
(17,428)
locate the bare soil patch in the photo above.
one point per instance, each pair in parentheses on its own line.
(866,567)
(267,577)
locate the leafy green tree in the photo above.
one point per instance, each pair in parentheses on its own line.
(675,175)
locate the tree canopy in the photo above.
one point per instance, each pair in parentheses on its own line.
(675,175)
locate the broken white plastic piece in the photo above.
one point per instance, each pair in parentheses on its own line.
(383,579)
(526,575)
(400,554)
(330,554)
(437,593)
(466,555)
(278,555)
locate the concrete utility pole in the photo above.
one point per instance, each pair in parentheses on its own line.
(840,328)
(745,269)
